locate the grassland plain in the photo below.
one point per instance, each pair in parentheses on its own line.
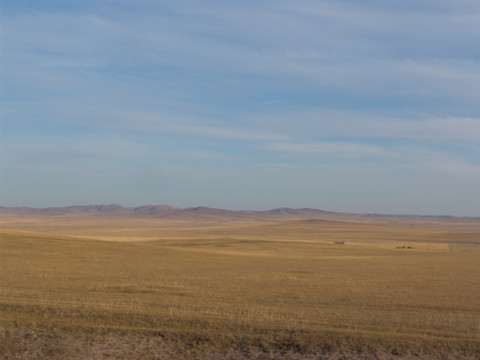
(124,288)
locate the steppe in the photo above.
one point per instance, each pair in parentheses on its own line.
(168,283)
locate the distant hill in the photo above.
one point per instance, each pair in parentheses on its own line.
(164,211)
(90,210)
(170,212)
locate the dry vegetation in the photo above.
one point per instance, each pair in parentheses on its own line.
(119,288)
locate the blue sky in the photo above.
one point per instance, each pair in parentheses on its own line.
(370,106)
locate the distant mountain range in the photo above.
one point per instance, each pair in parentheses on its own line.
(170,212)
(159,211)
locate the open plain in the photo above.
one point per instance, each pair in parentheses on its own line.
(219,287)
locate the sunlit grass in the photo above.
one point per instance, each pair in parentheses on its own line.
(273,287)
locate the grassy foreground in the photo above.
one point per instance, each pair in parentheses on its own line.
(281,290)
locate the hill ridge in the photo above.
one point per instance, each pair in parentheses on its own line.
(167,211)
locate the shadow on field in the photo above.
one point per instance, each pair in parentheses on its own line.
(22,344)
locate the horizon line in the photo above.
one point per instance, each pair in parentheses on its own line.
(399,215)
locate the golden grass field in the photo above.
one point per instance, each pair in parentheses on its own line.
(119,288)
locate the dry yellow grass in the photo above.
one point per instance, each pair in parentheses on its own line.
(249,290)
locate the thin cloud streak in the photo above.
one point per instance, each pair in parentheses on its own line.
(343,149)
(328,123)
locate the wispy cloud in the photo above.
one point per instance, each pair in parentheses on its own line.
(344,45)
(342,149)
(332,123)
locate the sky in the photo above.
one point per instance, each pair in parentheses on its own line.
(353,106)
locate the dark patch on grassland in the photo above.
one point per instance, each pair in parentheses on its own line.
(101,343)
